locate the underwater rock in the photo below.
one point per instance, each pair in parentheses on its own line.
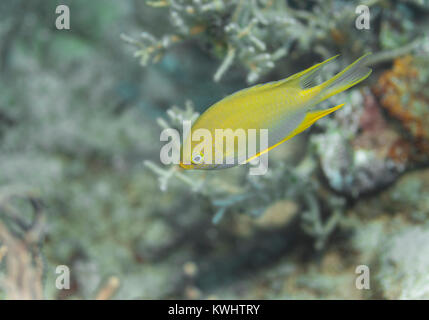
(404,265)
(278,215)
(361,162)
(275,217)
(389,241)
(410,196)
(407,200)
(402,92)
(374,155)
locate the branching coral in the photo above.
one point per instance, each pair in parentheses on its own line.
(255,33)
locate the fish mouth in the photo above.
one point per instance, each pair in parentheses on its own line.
(186,166)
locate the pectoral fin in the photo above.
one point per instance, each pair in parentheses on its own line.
(310,118)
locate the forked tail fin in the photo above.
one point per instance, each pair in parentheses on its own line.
(353,74)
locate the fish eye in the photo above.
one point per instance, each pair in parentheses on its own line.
(198,158)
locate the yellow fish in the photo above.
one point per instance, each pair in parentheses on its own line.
(284,108)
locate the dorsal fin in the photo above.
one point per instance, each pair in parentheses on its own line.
(308,78)
(304,79)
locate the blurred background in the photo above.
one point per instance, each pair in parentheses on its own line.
(81,184)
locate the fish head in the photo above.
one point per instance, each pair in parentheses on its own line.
(191,158)
(206,150)
(197,161)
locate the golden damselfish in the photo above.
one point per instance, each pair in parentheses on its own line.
(284,108)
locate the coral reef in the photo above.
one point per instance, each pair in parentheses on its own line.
(402,92)
(81,184)
(404,262)
(361,162)
(256,33)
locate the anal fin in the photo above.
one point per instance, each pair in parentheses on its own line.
(310,118)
